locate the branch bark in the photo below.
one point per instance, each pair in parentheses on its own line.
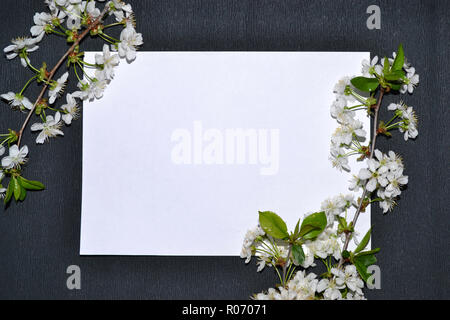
(372,149)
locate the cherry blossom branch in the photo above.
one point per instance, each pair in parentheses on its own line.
(372,149)
(383,175)
(56,67)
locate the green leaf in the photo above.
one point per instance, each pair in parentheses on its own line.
(386,65)
(394,75)
(399,59)
(369,252)
(362,270)
(313,225)
(363,261)
(363,244)
(273,225)
(23,191)
(31,185)
(9,191)
(297,230)
(298,253)
(23,194)
(17,189)
(395,86)
(365,84)
(366,259)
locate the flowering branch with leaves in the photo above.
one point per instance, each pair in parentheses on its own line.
(326,235)
(73,20)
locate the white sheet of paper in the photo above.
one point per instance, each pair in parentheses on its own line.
(161,175)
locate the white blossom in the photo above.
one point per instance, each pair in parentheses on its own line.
(15,158)
(349,277)
(22,45)
(409,119)
(326,244)
(300,287)
(120,10)
(249,240)
(373,176)
(388,203)
(129,42)
(396,181)
(345,133)
(355,183)
(339,158)
(108,62)
(74,9)
(54,4)
(91,10)
(409,128)
(70,110)
(393,161)
(410,82)
(264,257)
(341,86)
(369,68)
(334,206)
(57,87)
(384,174)
(16,100)
(49,128)
(330,289)
(351,296)
(340,112)
(44,21)
(92,90)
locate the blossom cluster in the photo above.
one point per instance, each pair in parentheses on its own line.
(307,287)
(384,175)
(380,180)
(70,19)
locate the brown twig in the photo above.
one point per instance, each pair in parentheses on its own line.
(372,149)
(56,67)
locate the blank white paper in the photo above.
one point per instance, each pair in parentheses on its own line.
(185,148)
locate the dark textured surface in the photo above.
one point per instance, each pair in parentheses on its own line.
(40,238)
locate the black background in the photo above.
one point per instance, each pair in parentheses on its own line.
(40,237)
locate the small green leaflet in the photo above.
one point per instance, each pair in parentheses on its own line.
(297,229)
(363,260)
(273,225)
(363,244)
(365,84)
(394,75)
(399,61)
(31,185)
(18,187)
(298,253)
(313,225)
(361,264)
(386,65)
(9,191)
